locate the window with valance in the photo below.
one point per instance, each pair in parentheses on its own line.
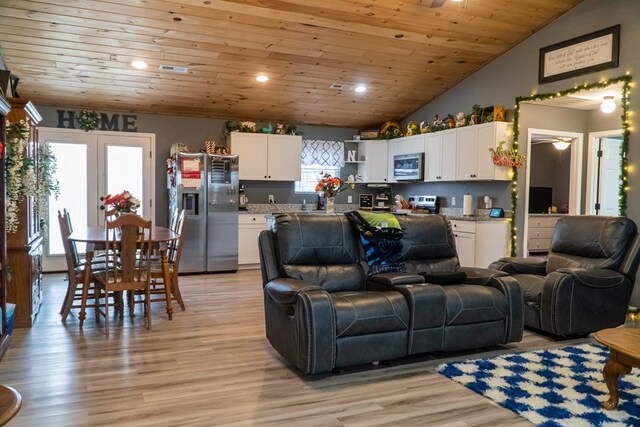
(319,156)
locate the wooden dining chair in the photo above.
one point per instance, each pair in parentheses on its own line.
(128,250)
(174,252)
(75,271)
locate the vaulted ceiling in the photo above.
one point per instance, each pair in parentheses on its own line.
(77,53)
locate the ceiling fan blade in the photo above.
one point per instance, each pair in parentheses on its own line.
(433,3)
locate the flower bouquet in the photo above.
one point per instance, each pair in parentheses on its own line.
(122,202)
(330,186)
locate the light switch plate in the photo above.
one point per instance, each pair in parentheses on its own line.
(349,199)
(453,201)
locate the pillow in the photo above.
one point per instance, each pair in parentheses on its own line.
(378,219)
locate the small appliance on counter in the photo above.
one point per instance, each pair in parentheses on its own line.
(424,204)
(243,200)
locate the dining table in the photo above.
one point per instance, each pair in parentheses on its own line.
(95,239)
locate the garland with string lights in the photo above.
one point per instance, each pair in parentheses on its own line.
(624,148)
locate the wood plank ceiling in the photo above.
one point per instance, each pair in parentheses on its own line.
(77,53)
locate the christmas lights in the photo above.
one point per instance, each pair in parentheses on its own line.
(624,148)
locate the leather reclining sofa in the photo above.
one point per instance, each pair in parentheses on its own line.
(323,312)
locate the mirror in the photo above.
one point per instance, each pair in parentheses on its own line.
(576,157)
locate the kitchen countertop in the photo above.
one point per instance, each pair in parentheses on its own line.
(269,210)
(449,217)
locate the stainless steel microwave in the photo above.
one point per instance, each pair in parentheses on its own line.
(408,167)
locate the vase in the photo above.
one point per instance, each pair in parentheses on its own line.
(330,205)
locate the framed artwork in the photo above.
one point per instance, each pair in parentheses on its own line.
(581,55)
(365,201)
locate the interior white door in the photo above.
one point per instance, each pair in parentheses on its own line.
(91,165)
(609,177)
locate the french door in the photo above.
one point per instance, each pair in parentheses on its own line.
(91,165)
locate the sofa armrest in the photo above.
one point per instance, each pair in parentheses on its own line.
(300,324)
(517,265)
(580,301)
(510,288)
(286,290)
(480,276)
(395,279)
(594,278)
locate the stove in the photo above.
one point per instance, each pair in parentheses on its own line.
(424,204)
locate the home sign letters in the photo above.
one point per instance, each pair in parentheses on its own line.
(108,121)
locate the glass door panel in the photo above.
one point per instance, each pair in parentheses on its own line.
(126,164)
(125,172)
(72,176)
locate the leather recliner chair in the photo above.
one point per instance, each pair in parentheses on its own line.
(323,312)
(585,283)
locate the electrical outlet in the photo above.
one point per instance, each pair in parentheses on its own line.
(271,198)
(453,201)
(349,199)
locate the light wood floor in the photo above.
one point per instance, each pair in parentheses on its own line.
(212,366)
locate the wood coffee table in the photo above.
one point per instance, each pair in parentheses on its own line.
(624,344)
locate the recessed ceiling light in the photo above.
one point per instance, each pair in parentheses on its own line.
(360,88)
(139,64)
(262,78)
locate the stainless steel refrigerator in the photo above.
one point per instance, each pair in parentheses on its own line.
(206,186)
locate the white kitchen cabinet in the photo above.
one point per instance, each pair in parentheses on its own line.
(473,157)
(540,232)
(267,157)
(393,149)
(440,156)
(249,227)
(374,169)
(479,243)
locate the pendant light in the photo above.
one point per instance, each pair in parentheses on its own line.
(608,105)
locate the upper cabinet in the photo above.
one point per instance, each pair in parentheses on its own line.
(375,167)
(267,157)
(474,159)
(440,156)
(458,154)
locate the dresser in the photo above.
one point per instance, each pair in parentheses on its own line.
(540,232)
(25,245)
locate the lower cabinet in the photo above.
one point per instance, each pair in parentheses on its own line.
(479,243)
(249,227)
(25,283)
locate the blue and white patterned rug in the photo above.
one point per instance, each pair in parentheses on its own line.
(556,387)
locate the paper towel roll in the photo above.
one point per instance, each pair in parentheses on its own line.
(467,205)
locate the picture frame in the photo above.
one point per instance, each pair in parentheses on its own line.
(369,134)
(365,201)
(586,54)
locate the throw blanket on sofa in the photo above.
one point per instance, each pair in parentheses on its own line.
(382,246)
